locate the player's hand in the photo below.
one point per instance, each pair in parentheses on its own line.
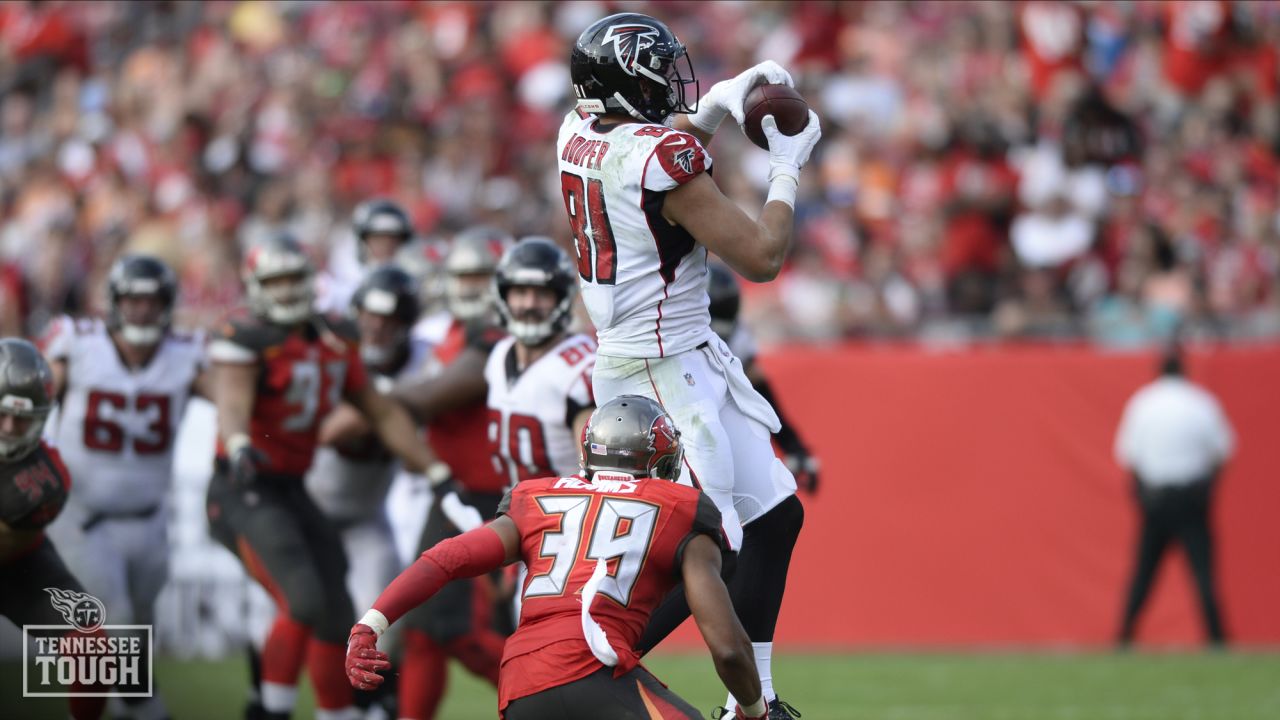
(727,96)
(364,660)
(246,461)
(789,153)
(805,469)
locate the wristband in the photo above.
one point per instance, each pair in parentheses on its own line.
(376,621)
(783,189)
(236,443)
(708,119)
(756,709)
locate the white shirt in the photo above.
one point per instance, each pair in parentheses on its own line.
(1172,433)
(531,412)
(644,280)
(117,424)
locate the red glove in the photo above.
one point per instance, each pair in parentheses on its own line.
(364,660)
(742,715)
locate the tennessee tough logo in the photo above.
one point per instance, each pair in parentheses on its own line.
(628,41)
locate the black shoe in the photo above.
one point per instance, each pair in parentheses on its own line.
(781,710)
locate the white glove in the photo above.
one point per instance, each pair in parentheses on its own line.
(789,153)
(726,97)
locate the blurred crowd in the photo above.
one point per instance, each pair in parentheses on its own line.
(1047,170)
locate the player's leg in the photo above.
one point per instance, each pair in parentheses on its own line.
(147,543)
(1154,539)
(693,393)
(1193,532)
(266,534)
(326,649)
(460,617)
(25,602)
(764,494)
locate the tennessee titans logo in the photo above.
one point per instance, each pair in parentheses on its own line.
(684,159)
(81,610)
(628,41)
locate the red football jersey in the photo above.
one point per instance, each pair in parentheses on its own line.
(302,376)
(639,527)
(32,493)
(460,437)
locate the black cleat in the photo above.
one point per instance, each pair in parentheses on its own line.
(781,710)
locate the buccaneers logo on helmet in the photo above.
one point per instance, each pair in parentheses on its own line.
(628,41)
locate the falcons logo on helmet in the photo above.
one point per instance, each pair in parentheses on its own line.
(628,41)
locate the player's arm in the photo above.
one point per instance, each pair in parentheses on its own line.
(470,554)
(203,385)
(394,427)
(713,612)
(754,248)
(581,420)
(344,425)
(234,392)
(458,385)
(59,368)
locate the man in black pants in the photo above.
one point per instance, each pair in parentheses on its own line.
(1174,438)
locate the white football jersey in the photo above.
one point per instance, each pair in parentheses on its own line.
(531,413)
(352,486)
(116,426)
(644,280)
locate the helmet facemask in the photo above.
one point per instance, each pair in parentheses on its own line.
(30,419)
(530,328)
(283,299)
(144,331)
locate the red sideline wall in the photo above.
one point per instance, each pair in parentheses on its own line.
(970,498)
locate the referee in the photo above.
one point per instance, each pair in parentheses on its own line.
(1174,438)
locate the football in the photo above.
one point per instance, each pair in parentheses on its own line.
(786,106)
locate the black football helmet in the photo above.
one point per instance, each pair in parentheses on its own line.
(379,217)
(633,64)
(134,275)
(26,390)
(539,262)
(726,299)
(279,256)
(632,434)
(391,292)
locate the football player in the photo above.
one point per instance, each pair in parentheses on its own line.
(123,386)
(381,228)
(726,299)
(450,400)
(572,657)
(451,403)
(278,373)
(349,481)
(539,377)
(644,213)
(33,488)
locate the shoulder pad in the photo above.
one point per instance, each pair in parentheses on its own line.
(340,325)
(484,338)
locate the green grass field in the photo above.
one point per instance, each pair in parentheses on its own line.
(993,686)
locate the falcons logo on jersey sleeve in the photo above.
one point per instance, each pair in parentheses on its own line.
(628,41)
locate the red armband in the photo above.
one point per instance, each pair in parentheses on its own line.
(467,555)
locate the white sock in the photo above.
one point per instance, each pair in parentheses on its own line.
(764,667)
(278,698)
